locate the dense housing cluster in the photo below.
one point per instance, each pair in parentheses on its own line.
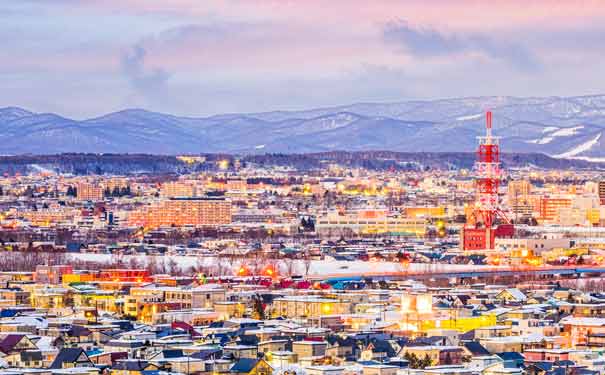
(324,271)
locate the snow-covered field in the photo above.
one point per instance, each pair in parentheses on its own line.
(295,267)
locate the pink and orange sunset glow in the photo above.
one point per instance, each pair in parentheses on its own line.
(205,57)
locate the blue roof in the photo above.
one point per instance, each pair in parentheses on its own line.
(93,352)
(368,363)
(172,353)
(244,365)
(8,313)
(511,356)
(337,279)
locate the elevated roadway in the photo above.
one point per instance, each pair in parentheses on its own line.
(480,272)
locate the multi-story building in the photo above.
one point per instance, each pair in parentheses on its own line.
(190,298)
(183,211)
(48,217)
(310,306)
(521,209)
(236,184)
(421,212)
(51,274)
(369,222)
(178,189)
(535,245)
(518,191)
(116,182)
(550,206)
(13,297)
(108,275)
(89,192)
(574,216)
(602,192)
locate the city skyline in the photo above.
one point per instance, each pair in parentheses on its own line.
(196,59)
(302,187)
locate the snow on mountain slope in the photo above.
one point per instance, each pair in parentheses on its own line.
(337,121)
(581,148)
(556,132)
(544,140)
(566,132)
(469,117)
(549,129)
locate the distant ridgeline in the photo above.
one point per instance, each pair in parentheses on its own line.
(129,164)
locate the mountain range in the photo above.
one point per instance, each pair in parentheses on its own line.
(562,127)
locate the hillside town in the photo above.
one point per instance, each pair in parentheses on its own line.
(61,320)
(243,269)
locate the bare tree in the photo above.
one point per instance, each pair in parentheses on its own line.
(117,259)
(27,261)
(174,268)
(151,265)
(307,262)
(225,266)
(258,262)
(289,266)
(133,263)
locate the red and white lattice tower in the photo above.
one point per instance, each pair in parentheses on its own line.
(487,180)
(481,234)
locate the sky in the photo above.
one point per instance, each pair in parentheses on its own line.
(84,58)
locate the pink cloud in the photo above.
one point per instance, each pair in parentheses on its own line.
(371,48)
(453,14)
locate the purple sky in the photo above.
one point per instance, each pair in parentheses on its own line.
(82,58)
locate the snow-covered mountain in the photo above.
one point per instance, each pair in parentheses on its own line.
(564,127)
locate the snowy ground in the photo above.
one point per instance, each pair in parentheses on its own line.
(292,267)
